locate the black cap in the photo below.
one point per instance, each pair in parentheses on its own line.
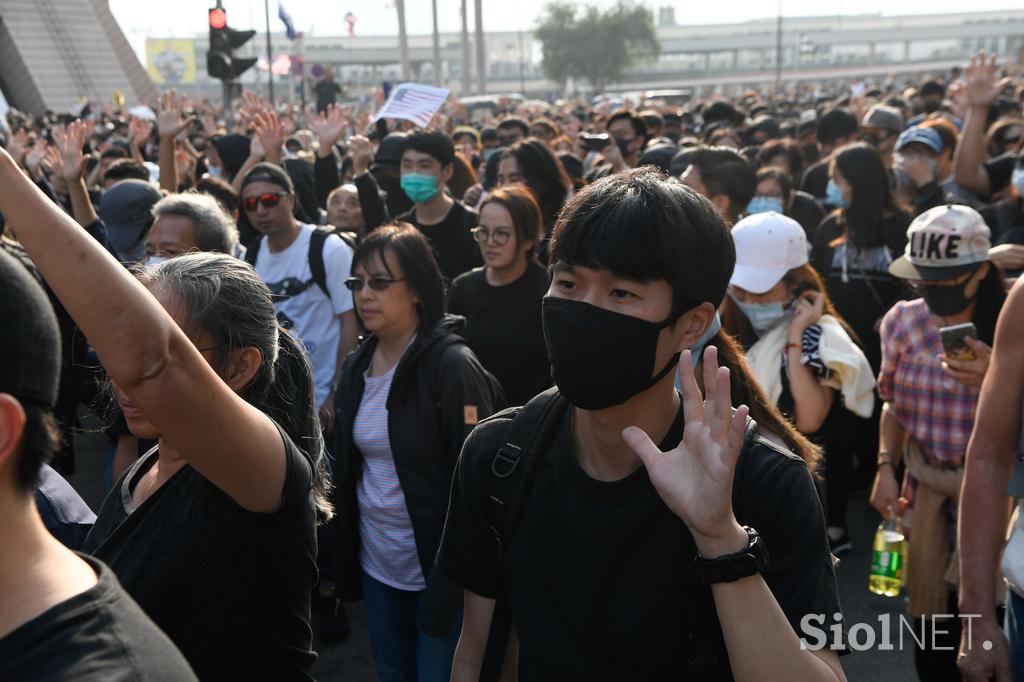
(30,342)
(389,152)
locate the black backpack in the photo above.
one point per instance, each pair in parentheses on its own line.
(317,240)
(509,483)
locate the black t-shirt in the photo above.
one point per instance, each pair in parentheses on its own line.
(815,179)
(1000,171)
(454,247)
(806,211)
(601,573)
(326,93)
(858,280)
(230,587)
(503,327)
(99,635)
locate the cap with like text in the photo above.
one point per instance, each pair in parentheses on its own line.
(768,245)
(943,243)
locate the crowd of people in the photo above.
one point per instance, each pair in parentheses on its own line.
(575,391)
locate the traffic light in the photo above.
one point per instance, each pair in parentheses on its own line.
(220,60)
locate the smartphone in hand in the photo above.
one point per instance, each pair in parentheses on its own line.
(953,343)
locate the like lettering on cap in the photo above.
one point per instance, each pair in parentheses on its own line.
(768,245)
(943,243)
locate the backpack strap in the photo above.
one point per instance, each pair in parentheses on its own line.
(317,240)
(253,251)
(511,476)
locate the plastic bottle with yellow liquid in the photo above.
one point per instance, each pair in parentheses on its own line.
(888,558)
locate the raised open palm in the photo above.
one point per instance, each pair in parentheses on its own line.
(980,85)
(171,118)
(695,479)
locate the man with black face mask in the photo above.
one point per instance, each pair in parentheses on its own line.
(622,559)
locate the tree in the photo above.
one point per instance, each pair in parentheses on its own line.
(594,45)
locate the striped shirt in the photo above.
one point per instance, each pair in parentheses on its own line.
(933,407)
(388,548)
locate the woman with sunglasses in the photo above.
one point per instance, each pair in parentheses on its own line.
(213,532)
(407,399)
(501,300)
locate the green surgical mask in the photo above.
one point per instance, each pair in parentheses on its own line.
(419,187)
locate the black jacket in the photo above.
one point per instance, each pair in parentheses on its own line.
(438,393)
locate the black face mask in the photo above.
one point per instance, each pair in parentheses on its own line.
(623,145)
(945,301)
(601,358)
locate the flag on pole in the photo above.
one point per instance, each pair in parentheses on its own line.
(350,21)
(413,102)
(286,19)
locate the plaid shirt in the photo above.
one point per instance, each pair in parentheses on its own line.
(932,407)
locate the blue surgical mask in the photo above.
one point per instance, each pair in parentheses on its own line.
(215,171)
(488,153)
(1018,180)
(834,195)
(763,316)
(419,187)
(765,205)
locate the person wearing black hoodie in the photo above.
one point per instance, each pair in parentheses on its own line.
(407,399)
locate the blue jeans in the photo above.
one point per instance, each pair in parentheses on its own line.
(401,652)
(1015,632)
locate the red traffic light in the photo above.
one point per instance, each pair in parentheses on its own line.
(218,18)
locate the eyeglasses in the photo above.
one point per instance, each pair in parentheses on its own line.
(498,236)
(356,284)
(268,200)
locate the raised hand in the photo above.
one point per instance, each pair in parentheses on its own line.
(695,479)
(361,150)
(980,85)
(139,131)
(171,118)
(34,158)
(253,105)
(55,162)
(70,142)
(328,126)
(19,144)
(268,130)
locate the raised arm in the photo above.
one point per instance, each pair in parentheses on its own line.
(983,500)
(231,443)
(70,143)
(981,90)
(170,121)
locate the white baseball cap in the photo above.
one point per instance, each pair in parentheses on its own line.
(768,245)
(943,243)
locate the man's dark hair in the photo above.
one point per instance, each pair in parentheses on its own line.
(416,259)
(126,169)
(513,122)
(639,126)
(788,149)
(39,444)
(836,123)
(932,88)
(640,225)
(725,171)
(431,142)
(723,111)
(114,153)
(219,189)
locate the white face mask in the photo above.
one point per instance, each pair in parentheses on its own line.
(1017,179)
(153,260)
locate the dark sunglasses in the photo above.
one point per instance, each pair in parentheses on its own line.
(268,200)
(356,284)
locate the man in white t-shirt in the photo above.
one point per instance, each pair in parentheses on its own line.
(323,318)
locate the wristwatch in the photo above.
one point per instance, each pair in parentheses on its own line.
(748,561)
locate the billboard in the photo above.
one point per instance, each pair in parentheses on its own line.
(170,61)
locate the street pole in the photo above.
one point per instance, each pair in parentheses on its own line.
(270,53)
(466,85)
(437,47)
(403,41)
(778,50)
(481,62)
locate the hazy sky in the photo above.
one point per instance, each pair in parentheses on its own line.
(185,18)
